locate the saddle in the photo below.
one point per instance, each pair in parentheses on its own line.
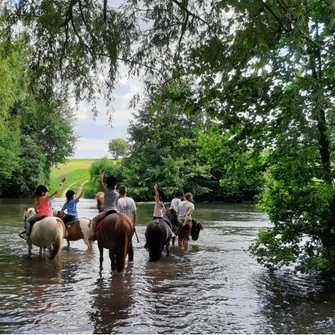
(99,224)
(70,223)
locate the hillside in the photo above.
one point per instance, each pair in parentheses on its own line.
(77,172)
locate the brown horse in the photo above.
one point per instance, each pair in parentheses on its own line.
(115,234)
(77,230)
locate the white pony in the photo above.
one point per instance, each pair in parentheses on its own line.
(48,232)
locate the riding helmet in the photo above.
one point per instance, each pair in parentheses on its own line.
(40,189)
(69,194)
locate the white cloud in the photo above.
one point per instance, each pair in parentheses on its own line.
(91,148)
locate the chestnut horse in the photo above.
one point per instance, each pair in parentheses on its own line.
(48,232)
(115,234)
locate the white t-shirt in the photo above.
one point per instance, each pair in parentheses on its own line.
(127,206)
(175,204)
(183,208)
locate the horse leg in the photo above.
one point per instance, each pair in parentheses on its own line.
(173,240)
(167,249)
(40,253)
(88,243)
(68,244)
(112,258)
(30,245)
(101,253)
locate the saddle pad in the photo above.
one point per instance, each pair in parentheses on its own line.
(99,224)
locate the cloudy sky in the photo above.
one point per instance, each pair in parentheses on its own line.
(95,134)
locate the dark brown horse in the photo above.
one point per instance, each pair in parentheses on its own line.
(115,234)
(157,235)
(173,217)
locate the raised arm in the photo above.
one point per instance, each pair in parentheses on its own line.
(101,178)
(82,192)
(156,193)
(58,189)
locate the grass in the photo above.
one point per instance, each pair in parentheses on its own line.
(76,170)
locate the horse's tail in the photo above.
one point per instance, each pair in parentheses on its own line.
(122,235)
(155,241)
(57,245)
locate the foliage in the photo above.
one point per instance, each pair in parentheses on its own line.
(36,129)
(163,149)
(112,168)
(118,147)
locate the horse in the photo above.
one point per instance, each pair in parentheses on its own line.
(172,215)
(56,211)
(157,236)
(48,232)
(115,232)
(195,230)
(78,229)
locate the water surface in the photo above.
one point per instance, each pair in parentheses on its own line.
(216,287)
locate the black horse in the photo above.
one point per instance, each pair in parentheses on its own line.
(173,217)
(157,235)
(195,230)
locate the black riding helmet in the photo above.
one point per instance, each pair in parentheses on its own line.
(40,189)
(111,182)
(69,194)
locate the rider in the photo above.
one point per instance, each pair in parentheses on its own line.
(176,201)
(71,206)
(185,210)
(159,209)
(110,199)
(127,206)
(42,206)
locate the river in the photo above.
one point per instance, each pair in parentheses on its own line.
(215,287)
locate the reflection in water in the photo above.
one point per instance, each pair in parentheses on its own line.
(215,287)
(111,302)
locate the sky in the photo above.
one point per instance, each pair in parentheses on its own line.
(94,135)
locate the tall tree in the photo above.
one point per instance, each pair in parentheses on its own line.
(163,149)
(118,147)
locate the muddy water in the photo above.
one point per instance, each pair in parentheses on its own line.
(216,287)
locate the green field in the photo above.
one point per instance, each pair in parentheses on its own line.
(76,170)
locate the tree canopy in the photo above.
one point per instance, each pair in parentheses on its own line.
(118,147)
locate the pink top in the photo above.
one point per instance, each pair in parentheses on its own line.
(158,210)
(44,207)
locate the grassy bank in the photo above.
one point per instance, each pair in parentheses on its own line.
(76,170)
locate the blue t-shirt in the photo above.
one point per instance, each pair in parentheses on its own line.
(71,207)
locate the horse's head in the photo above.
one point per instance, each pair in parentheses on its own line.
(195,231)
(100,196)
(28,212)
(57,211)
(173,217)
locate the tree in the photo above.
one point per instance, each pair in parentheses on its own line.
(36,128)
(163,149)
(118,147)
(274,91)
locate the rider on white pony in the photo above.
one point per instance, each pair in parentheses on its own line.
(42,206)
